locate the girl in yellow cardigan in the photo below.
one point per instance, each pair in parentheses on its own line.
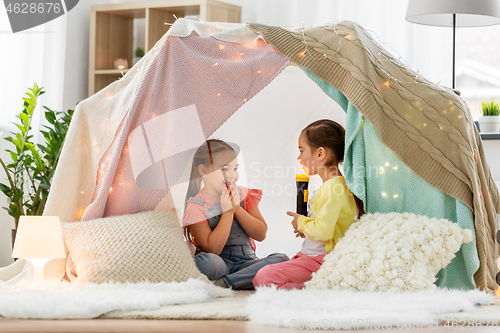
(332,210)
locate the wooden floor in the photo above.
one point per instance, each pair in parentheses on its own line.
(182,326)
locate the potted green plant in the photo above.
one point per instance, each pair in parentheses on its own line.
(490,121)
(31,166)
(138,54)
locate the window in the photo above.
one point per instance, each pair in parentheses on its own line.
(477,68)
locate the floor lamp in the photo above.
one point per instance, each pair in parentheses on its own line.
(454,13)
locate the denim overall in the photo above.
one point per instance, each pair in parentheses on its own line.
(237,263)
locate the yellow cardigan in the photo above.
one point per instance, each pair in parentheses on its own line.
(333,209)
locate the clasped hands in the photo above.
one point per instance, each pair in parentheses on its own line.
(230,201)
(294,224)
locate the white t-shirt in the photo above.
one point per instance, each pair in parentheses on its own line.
(310,247)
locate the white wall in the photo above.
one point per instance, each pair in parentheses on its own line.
(58,56)
(492,151)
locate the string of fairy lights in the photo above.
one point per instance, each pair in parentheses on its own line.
(377,59)
(332,54)
(382,170)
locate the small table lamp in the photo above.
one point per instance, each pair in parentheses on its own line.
(39,239)
(454,13)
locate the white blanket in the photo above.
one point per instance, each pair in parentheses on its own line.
(329,309)
(64,300)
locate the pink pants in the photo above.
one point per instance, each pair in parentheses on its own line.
(289,274)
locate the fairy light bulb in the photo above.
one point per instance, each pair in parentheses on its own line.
(384,195)
(395,196)
(387,84)
(221,47)
(302,54)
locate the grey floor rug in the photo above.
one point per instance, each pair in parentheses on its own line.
(224,308)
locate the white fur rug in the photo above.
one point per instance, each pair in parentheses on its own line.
(59,300)
(323,309)
(296,309)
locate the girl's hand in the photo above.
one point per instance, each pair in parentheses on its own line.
(235,194)
(225,202)
(299,234)
(294,221)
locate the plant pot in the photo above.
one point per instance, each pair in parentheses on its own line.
(489,124)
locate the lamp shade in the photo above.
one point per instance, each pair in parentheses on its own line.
(39,237)
(469,13)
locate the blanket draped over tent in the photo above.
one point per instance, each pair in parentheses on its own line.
(129,143)
(447,152)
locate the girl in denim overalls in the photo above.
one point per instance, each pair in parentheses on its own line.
(222,219)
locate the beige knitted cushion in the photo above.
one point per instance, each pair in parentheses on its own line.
(146,246)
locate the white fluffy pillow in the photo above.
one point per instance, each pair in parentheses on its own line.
(139,247)
(390,252)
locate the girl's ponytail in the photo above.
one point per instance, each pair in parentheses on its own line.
(194,185)
(359,206)
(193,189)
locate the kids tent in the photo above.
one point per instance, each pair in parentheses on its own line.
(411,145)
